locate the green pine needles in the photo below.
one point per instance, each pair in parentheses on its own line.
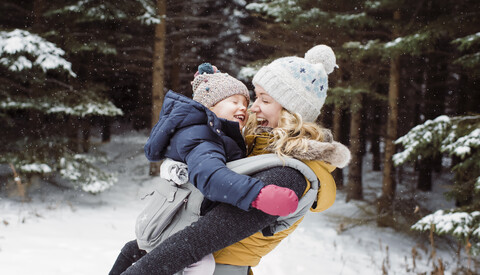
(458,138)
(38,105)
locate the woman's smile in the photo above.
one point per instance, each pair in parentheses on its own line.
(266,109)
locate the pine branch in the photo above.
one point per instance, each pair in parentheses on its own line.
(131,67)
(14,83)
(194,20)
(414,15)
(375,33)
(18,8)
(147,50)
(60,83)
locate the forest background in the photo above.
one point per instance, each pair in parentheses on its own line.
(406,90)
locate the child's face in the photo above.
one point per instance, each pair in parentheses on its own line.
(266,108)
(232,108)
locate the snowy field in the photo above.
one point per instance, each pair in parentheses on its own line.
(70,232)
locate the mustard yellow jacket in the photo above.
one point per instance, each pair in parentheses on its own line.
(249,251)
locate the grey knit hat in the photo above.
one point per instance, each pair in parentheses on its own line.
(299,84)
(210,86)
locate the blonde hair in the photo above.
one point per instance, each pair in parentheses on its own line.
(291,134)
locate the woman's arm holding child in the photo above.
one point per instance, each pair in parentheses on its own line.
(207,170)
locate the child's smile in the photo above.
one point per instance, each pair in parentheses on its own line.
(233,108)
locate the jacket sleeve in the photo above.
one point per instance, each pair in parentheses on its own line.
(219,228)
(204,154)
(158,139)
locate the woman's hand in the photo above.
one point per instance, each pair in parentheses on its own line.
(276,201)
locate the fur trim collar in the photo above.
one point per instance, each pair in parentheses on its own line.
(328,151)
(333,153)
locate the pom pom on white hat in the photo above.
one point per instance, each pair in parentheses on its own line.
(299,84)
(322,54)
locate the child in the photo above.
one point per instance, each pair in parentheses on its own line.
(205,133)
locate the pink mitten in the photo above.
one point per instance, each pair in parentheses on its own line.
(275,200)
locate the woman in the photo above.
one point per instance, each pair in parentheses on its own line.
(290,94)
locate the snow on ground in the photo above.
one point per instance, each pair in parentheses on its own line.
(70,232)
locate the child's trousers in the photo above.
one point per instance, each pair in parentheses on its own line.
(131,253)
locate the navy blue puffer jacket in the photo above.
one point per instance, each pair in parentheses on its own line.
(189,132)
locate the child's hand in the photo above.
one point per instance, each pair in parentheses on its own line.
(275,200)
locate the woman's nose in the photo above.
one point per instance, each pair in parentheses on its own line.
(254,108)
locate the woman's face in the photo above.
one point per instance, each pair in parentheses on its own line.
(266,109)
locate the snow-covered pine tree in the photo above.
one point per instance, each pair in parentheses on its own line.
(458,138)
(383,42)
(379,27)
(467,59)
(110,44)
(46,100)
(206,31)
(402,31)
(35,102)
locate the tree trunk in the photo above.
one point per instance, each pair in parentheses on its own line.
(33,116)
(424,166)
(175,69)
(424,180)
(37,19)
(86,127)
(158,72)
(105,126)
(354,187)
(375,137)
(337,133)
(466,102)
(362,135)
(435,77)
(72,133)
(375,150)
(388,183)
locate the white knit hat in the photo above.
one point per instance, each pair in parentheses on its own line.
(299,84)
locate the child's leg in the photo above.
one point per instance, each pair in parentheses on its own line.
(129,254)
(206,266)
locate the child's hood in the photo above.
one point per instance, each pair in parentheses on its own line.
(179,111)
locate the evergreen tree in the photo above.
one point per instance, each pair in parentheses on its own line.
(390,44)
(400,32)
(354,187)
(212,31)
(109,48)
(110,44)
(51,101)
(158,76)
(458,137)
(35,103)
